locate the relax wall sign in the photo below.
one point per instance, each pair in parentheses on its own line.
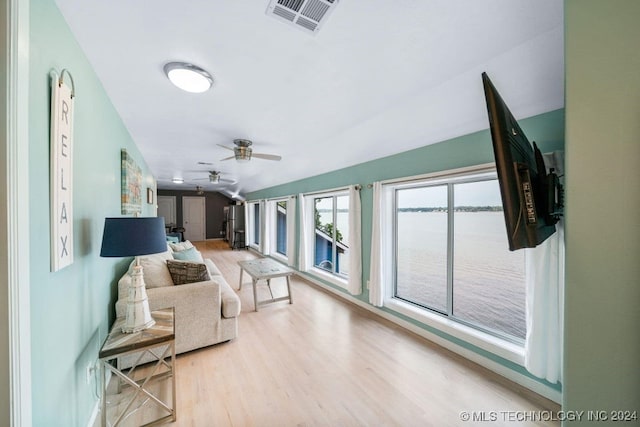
(61,171)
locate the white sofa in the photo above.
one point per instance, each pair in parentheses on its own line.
(206,312)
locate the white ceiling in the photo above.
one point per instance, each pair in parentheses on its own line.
(379,78)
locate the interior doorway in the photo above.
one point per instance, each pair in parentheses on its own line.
(167,210)
(193,218)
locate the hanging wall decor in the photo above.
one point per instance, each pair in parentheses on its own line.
(131,178)
(61,181)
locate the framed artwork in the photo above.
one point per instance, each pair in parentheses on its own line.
(150,196)
(131,178)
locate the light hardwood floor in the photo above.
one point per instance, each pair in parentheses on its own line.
(322,361)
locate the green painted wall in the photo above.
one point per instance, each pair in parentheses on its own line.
(602,299)
(71,309)
(469,150)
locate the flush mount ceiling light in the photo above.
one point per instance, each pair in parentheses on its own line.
(177,180)
(188,77)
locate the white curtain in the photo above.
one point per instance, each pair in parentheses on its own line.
(376,272)
(291,230)
(265,223)
(303,254)
(545,302)
(355,242)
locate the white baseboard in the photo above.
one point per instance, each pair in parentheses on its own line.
(516,377)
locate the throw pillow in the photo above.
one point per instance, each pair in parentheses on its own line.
(173,239)
(191,254)
(181,246)
(155,269)
(187,272)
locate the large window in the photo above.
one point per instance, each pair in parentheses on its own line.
(451,254)
(331,233)
(254,224)
(278,227)
(421,231)
(281,227)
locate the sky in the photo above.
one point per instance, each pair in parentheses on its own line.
(483,193)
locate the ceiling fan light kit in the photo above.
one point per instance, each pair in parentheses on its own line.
(242,152)
(188,77)
(215,177)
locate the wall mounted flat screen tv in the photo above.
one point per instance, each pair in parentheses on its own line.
(531,195)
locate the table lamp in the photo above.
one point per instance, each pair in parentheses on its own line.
(123,237)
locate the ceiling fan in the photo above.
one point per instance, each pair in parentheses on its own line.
(243,152)
(215,178)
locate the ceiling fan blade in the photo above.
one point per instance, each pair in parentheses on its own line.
(205,163)
(228,181)
(224,146)
(228,158)
(266,156)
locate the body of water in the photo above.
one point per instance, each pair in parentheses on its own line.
(488,279)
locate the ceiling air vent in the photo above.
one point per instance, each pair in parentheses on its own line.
(307,15)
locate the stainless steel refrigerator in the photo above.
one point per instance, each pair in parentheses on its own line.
(235,233)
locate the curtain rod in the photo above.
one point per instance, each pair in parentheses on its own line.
(311,193)
(332,190)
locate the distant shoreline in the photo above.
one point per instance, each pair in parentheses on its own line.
(438,209)
(456,209)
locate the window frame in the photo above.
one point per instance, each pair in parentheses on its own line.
(253,233)
(340,280)
(273,228)
(503,345)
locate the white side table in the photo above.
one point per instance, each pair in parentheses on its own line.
(139,390)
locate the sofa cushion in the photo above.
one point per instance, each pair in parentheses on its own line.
(156,273)
(183,272)
(181,246)
(213,269)
(191,254)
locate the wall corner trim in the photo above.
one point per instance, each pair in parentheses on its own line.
(17,213)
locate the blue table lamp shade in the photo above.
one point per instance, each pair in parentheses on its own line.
(123,237)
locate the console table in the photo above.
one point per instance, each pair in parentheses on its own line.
(266,269)
(140,390)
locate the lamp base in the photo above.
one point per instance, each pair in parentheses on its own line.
(138,328)
(138,316)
